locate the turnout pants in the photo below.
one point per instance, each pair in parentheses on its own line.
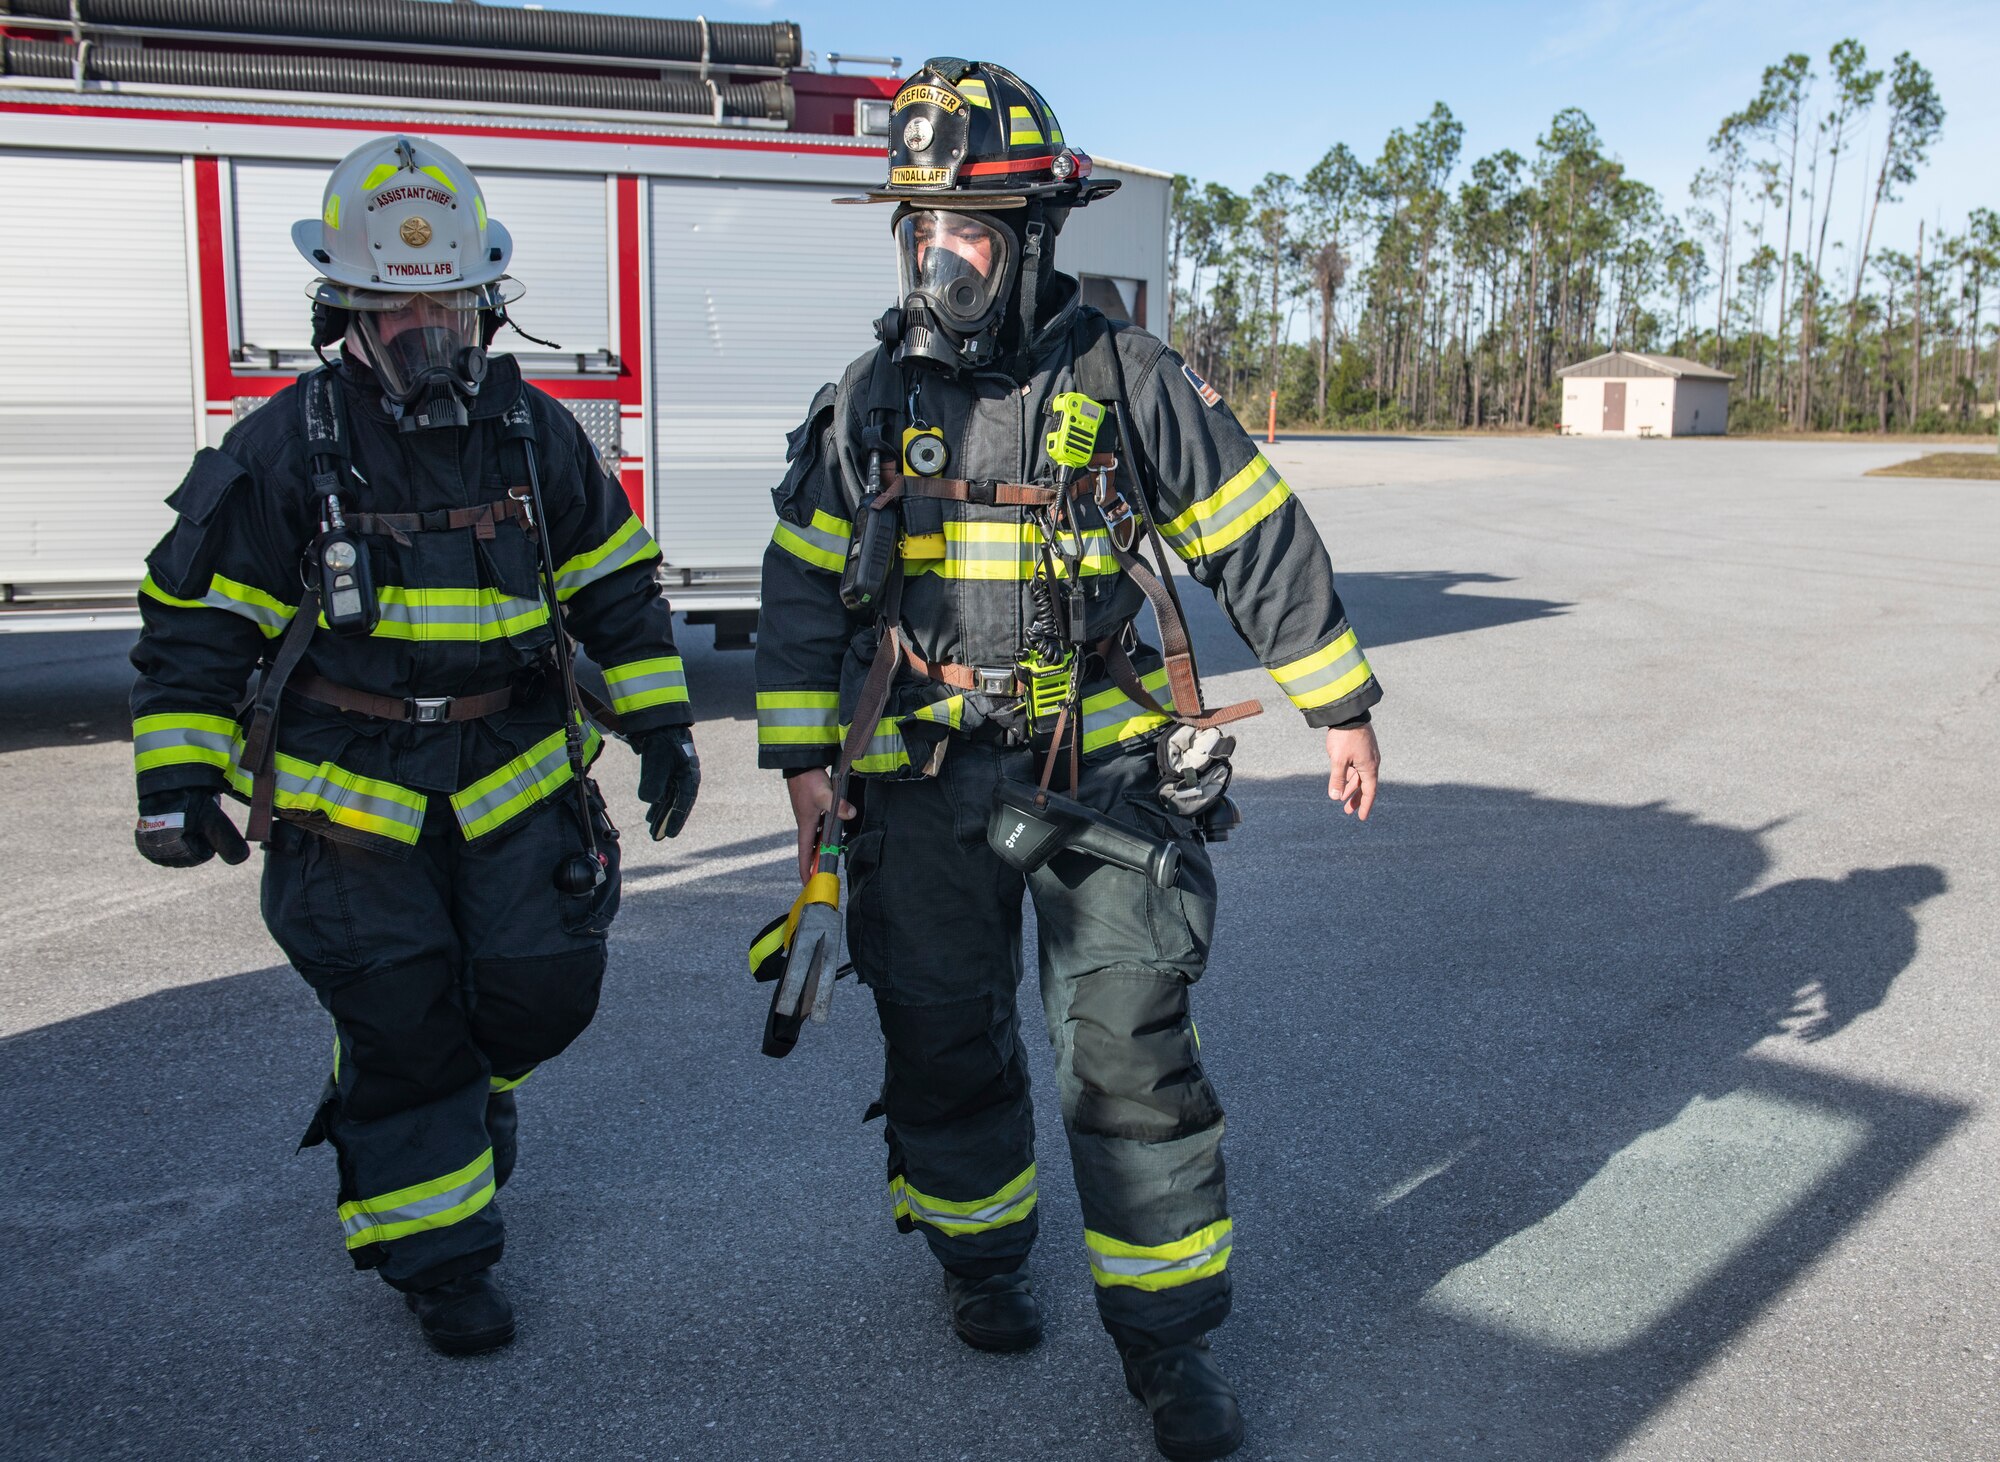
(450,975)
(935,931)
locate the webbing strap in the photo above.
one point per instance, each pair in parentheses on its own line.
(260,761)
(874,698)
(1176,648)
(482,519)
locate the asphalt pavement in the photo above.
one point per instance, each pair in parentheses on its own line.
(1623,1089)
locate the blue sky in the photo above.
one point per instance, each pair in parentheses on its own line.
(1231,91)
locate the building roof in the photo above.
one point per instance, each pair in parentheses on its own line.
(1633,363)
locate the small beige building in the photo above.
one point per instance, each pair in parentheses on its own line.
(1624,393)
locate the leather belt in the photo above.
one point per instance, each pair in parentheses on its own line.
(428,710)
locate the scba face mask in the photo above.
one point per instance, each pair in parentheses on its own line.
(954,269)
(426,350)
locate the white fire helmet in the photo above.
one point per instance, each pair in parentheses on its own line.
(404,246)
(402,216)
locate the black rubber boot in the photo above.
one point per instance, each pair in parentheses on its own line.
(997,1313)
(464,1316)
(1194,1409)
(503,1127)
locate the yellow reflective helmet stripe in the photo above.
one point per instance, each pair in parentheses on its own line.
(1013,1202)
(1022,129)
(1115,1263)
(377,176)
(1213,523)
(1328,674)
(973,89)
(431,170)
(331,214)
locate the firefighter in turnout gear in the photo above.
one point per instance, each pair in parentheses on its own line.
(972,521)
(391,554)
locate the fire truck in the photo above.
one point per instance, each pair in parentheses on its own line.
(666,183)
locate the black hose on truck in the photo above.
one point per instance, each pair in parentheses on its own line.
(776,43)
(158,66)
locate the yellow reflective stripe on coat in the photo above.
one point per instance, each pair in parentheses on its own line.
(798,718)
(439,1203)
(537,773)
(634,686)
(630,544)
(496,1084)
(821,543)
(885,751)
(1111,716)
(1013,551)
(179,739)
(1326,675)
(365,804)
(429,615)
(1114,1262)
(1212,523)
(1011,1204)
(268,613)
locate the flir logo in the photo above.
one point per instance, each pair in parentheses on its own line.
(1015,836)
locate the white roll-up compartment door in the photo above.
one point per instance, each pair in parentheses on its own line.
(761,294)
(560,224)
(97,396)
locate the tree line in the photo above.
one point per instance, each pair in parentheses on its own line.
(1433,291)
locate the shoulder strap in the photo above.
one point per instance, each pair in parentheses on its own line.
(517,422)
(260,762)
(1094,346)
(323,418)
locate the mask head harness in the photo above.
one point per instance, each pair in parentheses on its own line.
(982,180)
(413,275)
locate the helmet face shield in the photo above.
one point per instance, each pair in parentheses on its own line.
(422,342)
(958,263)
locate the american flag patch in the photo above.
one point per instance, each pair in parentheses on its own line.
(1209,395)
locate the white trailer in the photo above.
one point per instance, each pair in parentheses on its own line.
(699,285)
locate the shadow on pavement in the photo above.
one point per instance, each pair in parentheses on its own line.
(65,689)
(1520,1139)
(68,688)
(1385,609)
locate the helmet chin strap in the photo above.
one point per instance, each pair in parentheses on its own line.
(1034,239)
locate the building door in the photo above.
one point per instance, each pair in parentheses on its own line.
(1614,406)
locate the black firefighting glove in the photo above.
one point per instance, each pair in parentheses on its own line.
(669,778)
(185,828)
